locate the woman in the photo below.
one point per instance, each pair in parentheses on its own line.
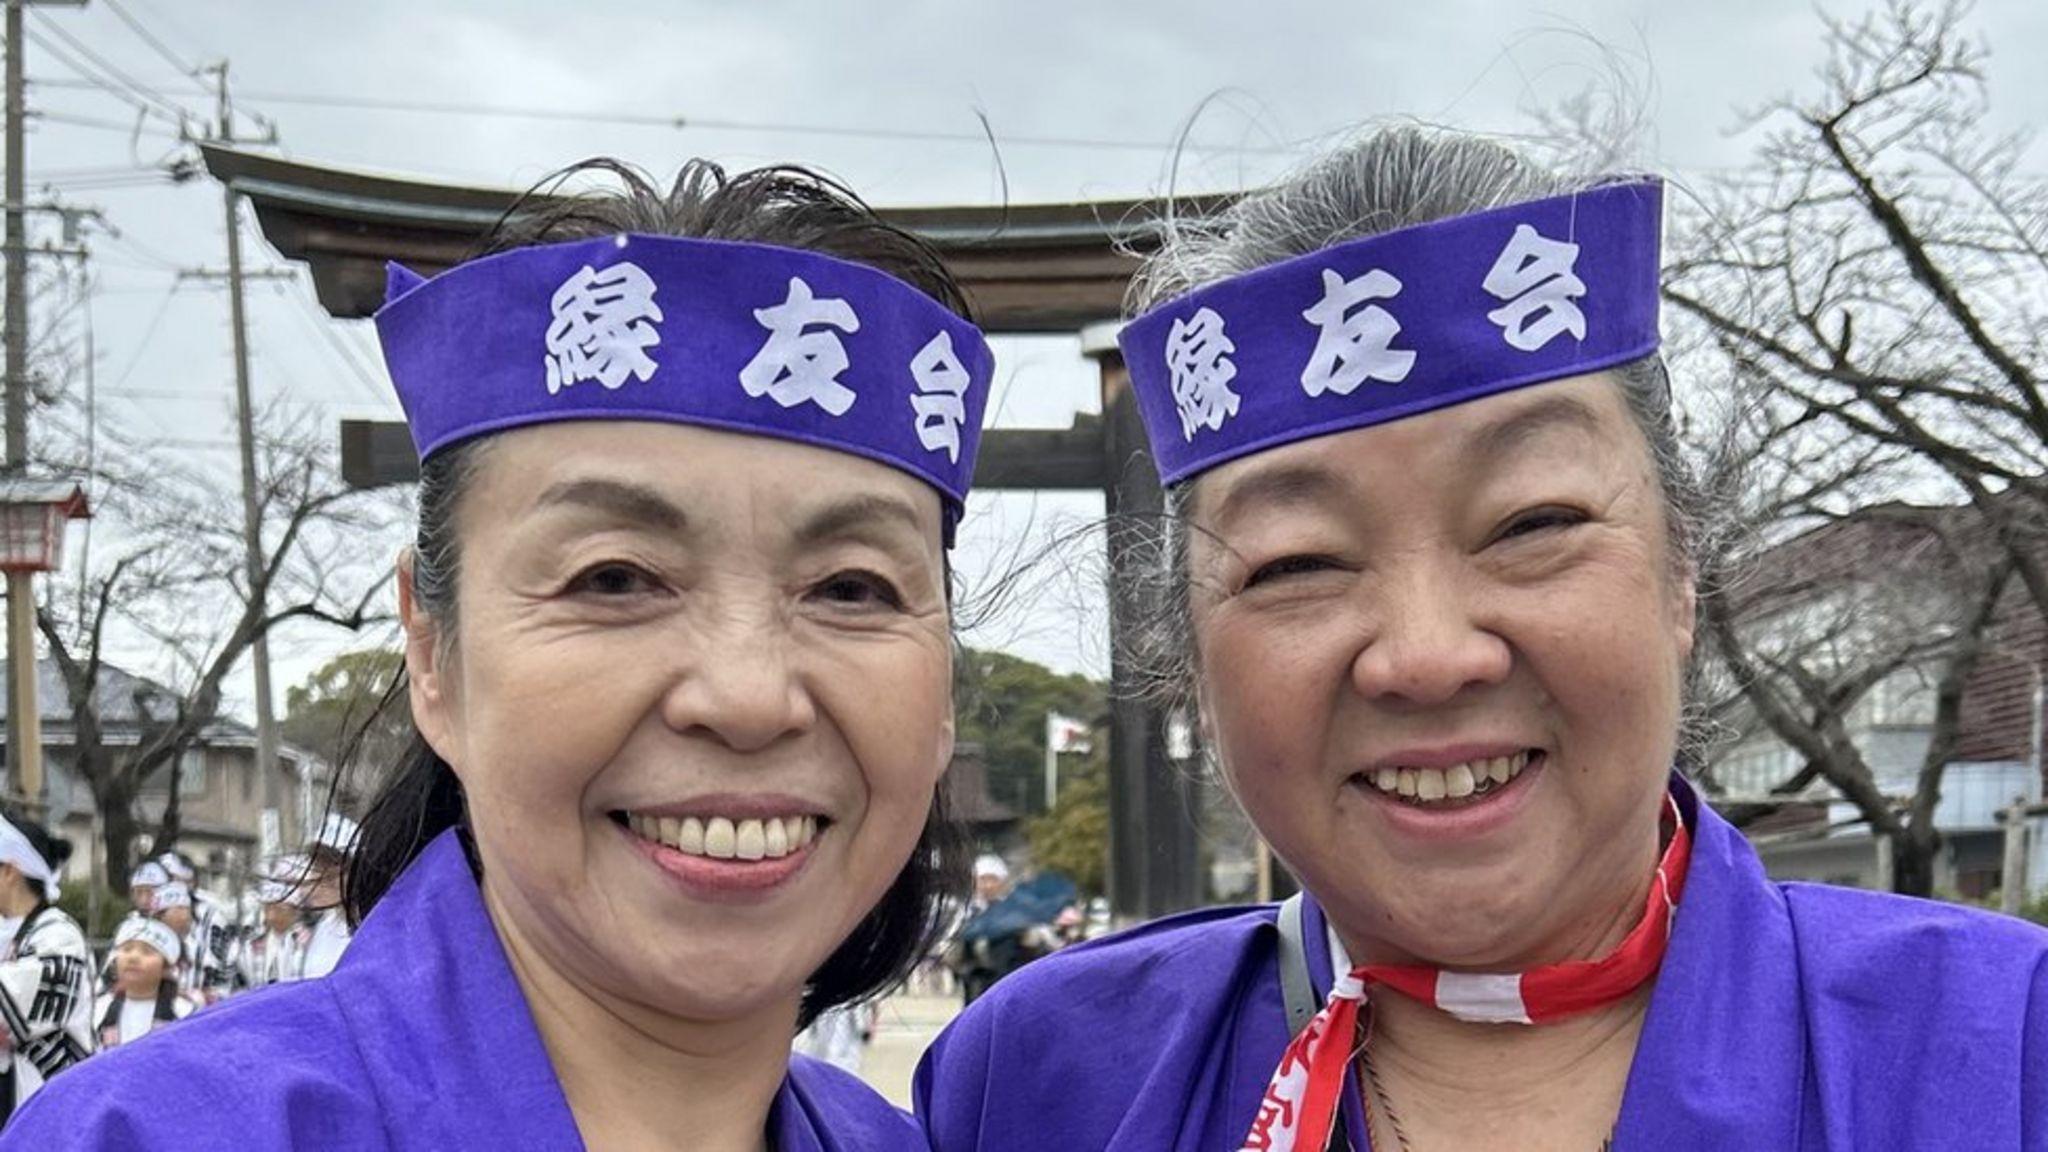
(678,652)
(45,972)
(145,994)
(1436,584)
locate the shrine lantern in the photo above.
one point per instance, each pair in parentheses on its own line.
(33,514)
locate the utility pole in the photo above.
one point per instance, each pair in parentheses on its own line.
(24,717)
(252,512)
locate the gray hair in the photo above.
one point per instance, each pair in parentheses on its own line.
(1387,179)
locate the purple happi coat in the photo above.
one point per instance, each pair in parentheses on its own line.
(1785,1017)
(420,1040)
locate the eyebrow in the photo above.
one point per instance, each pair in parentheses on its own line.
(1550,414)
(1281,484)
(630,502)
(858,517)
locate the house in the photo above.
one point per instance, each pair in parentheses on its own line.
(1879,586)
(220,795)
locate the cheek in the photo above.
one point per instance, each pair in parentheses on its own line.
(1266,692)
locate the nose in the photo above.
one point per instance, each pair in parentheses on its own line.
(1426,645)
(739,685)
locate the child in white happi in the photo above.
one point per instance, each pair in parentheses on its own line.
(145,995)
(276,953)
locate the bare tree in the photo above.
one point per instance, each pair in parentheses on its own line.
(1874,283)
(1883,268)
(180,579)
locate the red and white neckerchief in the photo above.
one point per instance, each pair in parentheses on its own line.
(1302,1099)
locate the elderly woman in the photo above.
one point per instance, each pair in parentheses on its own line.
(1436,576)
(679,654)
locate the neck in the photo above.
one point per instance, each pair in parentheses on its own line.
(635,1078)
(138,993)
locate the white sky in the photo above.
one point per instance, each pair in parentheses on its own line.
(1267,78)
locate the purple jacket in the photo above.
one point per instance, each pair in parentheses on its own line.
(420,1040)
(1786,1016)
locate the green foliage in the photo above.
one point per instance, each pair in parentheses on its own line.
(343,696)
(1074,837)
(77,900)
(1001,702)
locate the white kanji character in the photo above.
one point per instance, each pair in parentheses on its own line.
(941,381)
(795,365)
(1353,347)
(1198,360)
(1534,275)
(603,325)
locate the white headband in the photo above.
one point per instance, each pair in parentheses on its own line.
(149,874)
(155,933)
(171,896)
(16,850)
(176,867)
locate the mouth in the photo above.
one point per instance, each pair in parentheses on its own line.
(1450,788)
(741,839)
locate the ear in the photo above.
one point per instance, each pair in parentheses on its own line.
(427,678)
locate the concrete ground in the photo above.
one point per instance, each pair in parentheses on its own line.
(905,1024)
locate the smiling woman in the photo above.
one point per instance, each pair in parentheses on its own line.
(678,653)
(1432,594)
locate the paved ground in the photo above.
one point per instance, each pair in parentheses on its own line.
(904,1025)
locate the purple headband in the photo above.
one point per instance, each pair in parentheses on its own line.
(743,337)
(1398,324)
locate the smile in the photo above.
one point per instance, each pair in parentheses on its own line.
(1452,787)
(724,837)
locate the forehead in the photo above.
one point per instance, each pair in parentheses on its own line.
(1582,419)
(697,478)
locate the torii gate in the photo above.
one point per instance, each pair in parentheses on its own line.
(1053,268)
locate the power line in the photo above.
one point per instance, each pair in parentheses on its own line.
(119,77)
(188,71)
(718,124)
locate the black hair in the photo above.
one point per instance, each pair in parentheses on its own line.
(54,849)
(785,206)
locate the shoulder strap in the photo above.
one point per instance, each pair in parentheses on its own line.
(1294,980)
(1299,991)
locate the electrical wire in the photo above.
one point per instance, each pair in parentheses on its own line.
(188,71)
(106,70)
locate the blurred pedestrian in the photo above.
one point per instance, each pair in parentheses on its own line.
(145,995)
(45,969)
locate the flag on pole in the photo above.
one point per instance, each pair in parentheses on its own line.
(1062,734)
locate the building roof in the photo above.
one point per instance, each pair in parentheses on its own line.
(1025,267)
(127,703)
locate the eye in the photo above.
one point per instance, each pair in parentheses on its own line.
(859,588)
(612,579)
(1287,566)
(1540,520)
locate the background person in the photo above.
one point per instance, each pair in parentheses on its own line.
(45,968)
(145,994)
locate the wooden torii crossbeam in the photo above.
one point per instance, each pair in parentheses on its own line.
(1050,268)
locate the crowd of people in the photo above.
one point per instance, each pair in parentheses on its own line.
(181,948)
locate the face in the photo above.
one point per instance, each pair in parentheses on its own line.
(141,896)
(988,888)
(138,969)
(279,917)
(179,918)
(699,698)
(1483,593)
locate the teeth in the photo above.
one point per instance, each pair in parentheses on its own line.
(1428,785)
(1458,782)
(749,842)
(718,838)
(724,838)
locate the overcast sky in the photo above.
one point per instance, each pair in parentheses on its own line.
(1085,101)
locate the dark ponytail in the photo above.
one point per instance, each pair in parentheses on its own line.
(790,207)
